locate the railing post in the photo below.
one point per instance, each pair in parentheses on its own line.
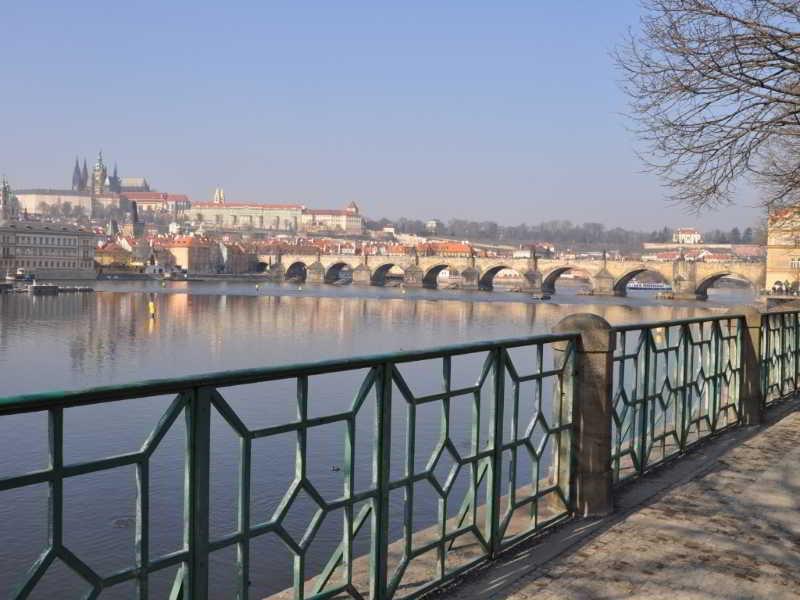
(498,404)
(751,395)
(382,470)
(196,503)
(592,412)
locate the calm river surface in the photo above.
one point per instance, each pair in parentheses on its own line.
(75,341)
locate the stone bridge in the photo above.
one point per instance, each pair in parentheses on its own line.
(689,280)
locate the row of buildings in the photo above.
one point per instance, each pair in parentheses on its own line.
(50,250)
(218,214)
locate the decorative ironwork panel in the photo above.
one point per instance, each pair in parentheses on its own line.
(780,336)
(499,470)
(674,384)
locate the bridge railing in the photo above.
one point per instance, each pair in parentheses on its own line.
(509,479)
(674,384)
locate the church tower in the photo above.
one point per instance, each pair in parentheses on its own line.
(76,176)
(99,176)
(219,196)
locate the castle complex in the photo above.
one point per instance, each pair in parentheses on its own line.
(97,188)
(87,191)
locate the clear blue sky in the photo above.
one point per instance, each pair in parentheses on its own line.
(505,111)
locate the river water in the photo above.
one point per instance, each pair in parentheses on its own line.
(75,341)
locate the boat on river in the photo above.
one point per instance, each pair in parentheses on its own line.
(19,275)
(658,286)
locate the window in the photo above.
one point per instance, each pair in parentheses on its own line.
(795,262)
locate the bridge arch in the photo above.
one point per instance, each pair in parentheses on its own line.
(709,280)
(621,284)
(380,273)
(334,272)
(431,277)
(297,270)
(550,278)
(486,281)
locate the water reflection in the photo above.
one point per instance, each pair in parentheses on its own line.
(109,337)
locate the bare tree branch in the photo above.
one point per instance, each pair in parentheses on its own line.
(714,86)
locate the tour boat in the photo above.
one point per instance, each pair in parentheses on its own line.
(648,285)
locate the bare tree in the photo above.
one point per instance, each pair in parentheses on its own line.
(715,89)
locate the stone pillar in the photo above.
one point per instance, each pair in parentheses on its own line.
(750,393)
(684,280)
(277,272)
(362,275)
(413,275)
(591,412)
(315,273)
(603,284)
(532,282)
(470,278)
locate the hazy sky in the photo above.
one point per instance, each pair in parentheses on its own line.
(505,110)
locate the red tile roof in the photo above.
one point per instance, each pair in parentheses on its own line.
(155,196)
(332,212)
(246,205)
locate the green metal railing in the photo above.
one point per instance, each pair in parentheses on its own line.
(780,340)
(674,383)
(518,465)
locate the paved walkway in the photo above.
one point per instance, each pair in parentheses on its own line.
(721,523)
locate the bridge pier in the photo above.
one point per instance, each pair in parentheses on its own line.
(413,276)
(470,278)
(603,284)
(315,273)
(532,282)
(684,281)
(362,275)
(277,272)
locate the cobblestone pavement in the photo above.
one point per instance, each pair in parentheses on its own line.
(723,522)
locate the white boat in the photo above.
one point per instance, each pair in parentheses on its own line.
(648,285)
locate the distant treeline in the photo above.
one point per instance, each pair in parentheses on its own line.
(559,232)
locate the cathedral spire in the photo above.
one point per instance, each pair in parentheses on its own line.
(76,176)
(84,176)
(115,183)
